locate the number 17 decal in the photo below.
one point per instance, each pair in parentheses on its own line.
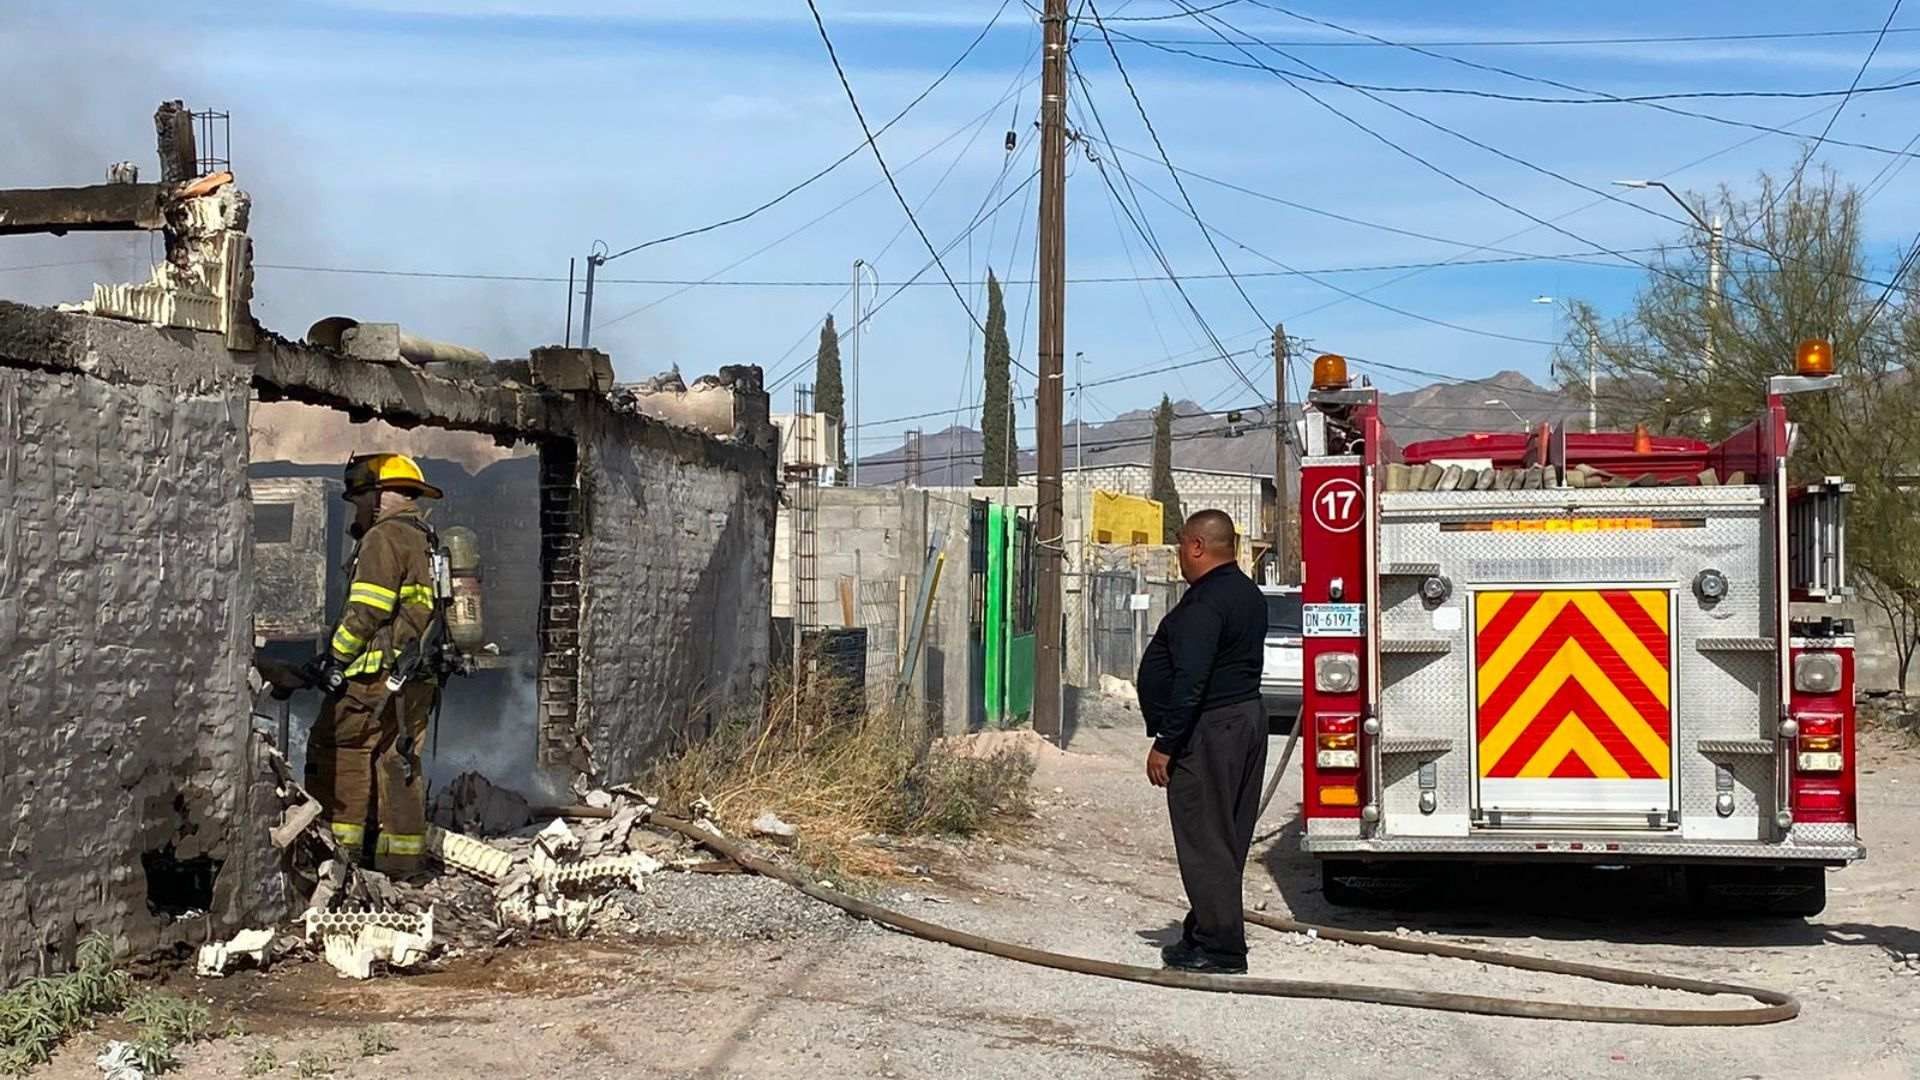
(1337,506)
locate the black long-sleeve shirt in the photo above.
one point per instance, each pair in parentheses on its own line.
(1206,654)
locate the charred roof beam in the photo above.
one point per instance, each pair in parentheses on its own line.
(95,208)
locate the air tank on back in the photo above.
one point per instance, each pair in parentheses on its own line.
(464,620)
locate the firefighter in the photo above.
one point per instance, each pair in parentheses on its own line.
(363,755)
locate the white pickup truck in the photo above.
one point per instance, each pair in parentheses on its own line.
(1280,669)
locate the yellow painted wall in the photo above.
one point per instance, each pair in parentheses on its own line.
(1124,519)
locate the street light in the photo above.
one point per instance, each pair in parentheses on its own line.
(1714,238)
(862,269)
(1593,365)
(1524,426)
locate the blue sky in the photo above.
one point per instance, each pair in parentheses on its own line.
(504,136)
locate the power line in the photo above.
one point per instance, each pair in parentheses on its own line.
(1601,97)
(1161,149)
(1517,233)
(841,160)
(842,205)
(1005,167)
(1579,258)
(1097,383)
(1208,21)
(1596,97)
(881,160)
(903,286)
(1113,443)
(1352,295)
(1857,76)
(1534,43)
(1145,229)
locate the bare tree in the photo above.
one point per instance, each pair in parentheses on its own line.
(1796,268)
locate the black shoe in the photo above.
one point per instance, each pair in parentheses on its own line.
(1183,957)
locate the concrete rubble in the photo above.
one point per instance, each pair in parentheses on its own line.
(555,877)
(218,957)
(120,1061)
(353,941)
(770,824)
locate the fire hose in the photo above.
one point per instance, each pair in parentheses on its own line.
(1773,1005)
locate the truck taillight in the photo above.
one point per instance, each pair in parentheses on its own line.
(1337,743)
(1337,748)
(1821,748)
(1822,711)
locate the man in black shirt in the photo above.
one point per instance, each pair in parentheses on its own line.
(1199,686)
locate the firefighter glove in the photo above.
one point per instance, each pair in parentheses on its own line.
(323,672)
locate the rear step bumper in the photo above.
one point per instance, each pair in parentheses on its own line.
(1829,844)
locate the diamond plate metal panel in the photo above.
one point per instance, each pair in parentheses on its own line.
(1412,569)
(1735,644)
(1826,835)
(1720,694)
(1583,569)
(1416,646)
(1752,817)
(1424,701)
(1430,747)
(1333,829)
(1594,849)
(1732,747)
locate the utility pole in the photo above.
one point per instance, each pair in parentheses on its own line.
(1283,561)
(853,479)
(1047,404)
(1079,419)
(1713,305)
(586,310)
(1593,380)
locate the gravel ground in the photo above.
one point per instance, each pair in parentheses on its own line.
(699,908)
(737,977)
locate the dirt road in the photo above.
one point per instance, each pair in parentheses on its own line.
(1096,877)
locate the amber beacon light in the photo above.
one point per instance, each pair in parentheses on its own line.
(1329,372)
(1814,357)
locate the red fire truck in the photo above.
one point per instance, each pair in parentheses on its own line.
(1576,647)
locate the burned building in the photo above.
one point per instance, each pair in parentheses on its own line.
(131,603)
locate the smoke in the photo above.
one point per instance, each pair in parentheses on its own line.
(490,724)
(75,105)
(315,435)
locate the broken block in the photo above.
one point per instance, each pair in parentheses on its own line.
(626,869)
(217,957)
(464,853)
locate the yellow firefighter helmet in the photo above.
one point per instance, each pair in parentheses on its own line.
(387,472)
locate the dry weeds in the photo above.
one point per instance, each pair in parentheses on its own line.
(842,776)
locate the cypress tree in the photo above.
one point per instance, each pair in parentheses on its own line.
(829,394)
(1000,457)
(1171,515)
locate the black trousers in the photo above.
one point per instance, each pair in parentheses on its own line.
(1213,794)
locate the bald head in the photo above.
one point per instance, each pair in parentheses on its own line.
(1214,529)
(1206,543)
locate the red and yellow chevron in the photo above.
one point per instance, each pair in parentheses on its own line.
(1573,683)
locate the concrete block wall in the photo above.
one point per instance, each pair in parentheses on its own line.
(676,570)
(128,787)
